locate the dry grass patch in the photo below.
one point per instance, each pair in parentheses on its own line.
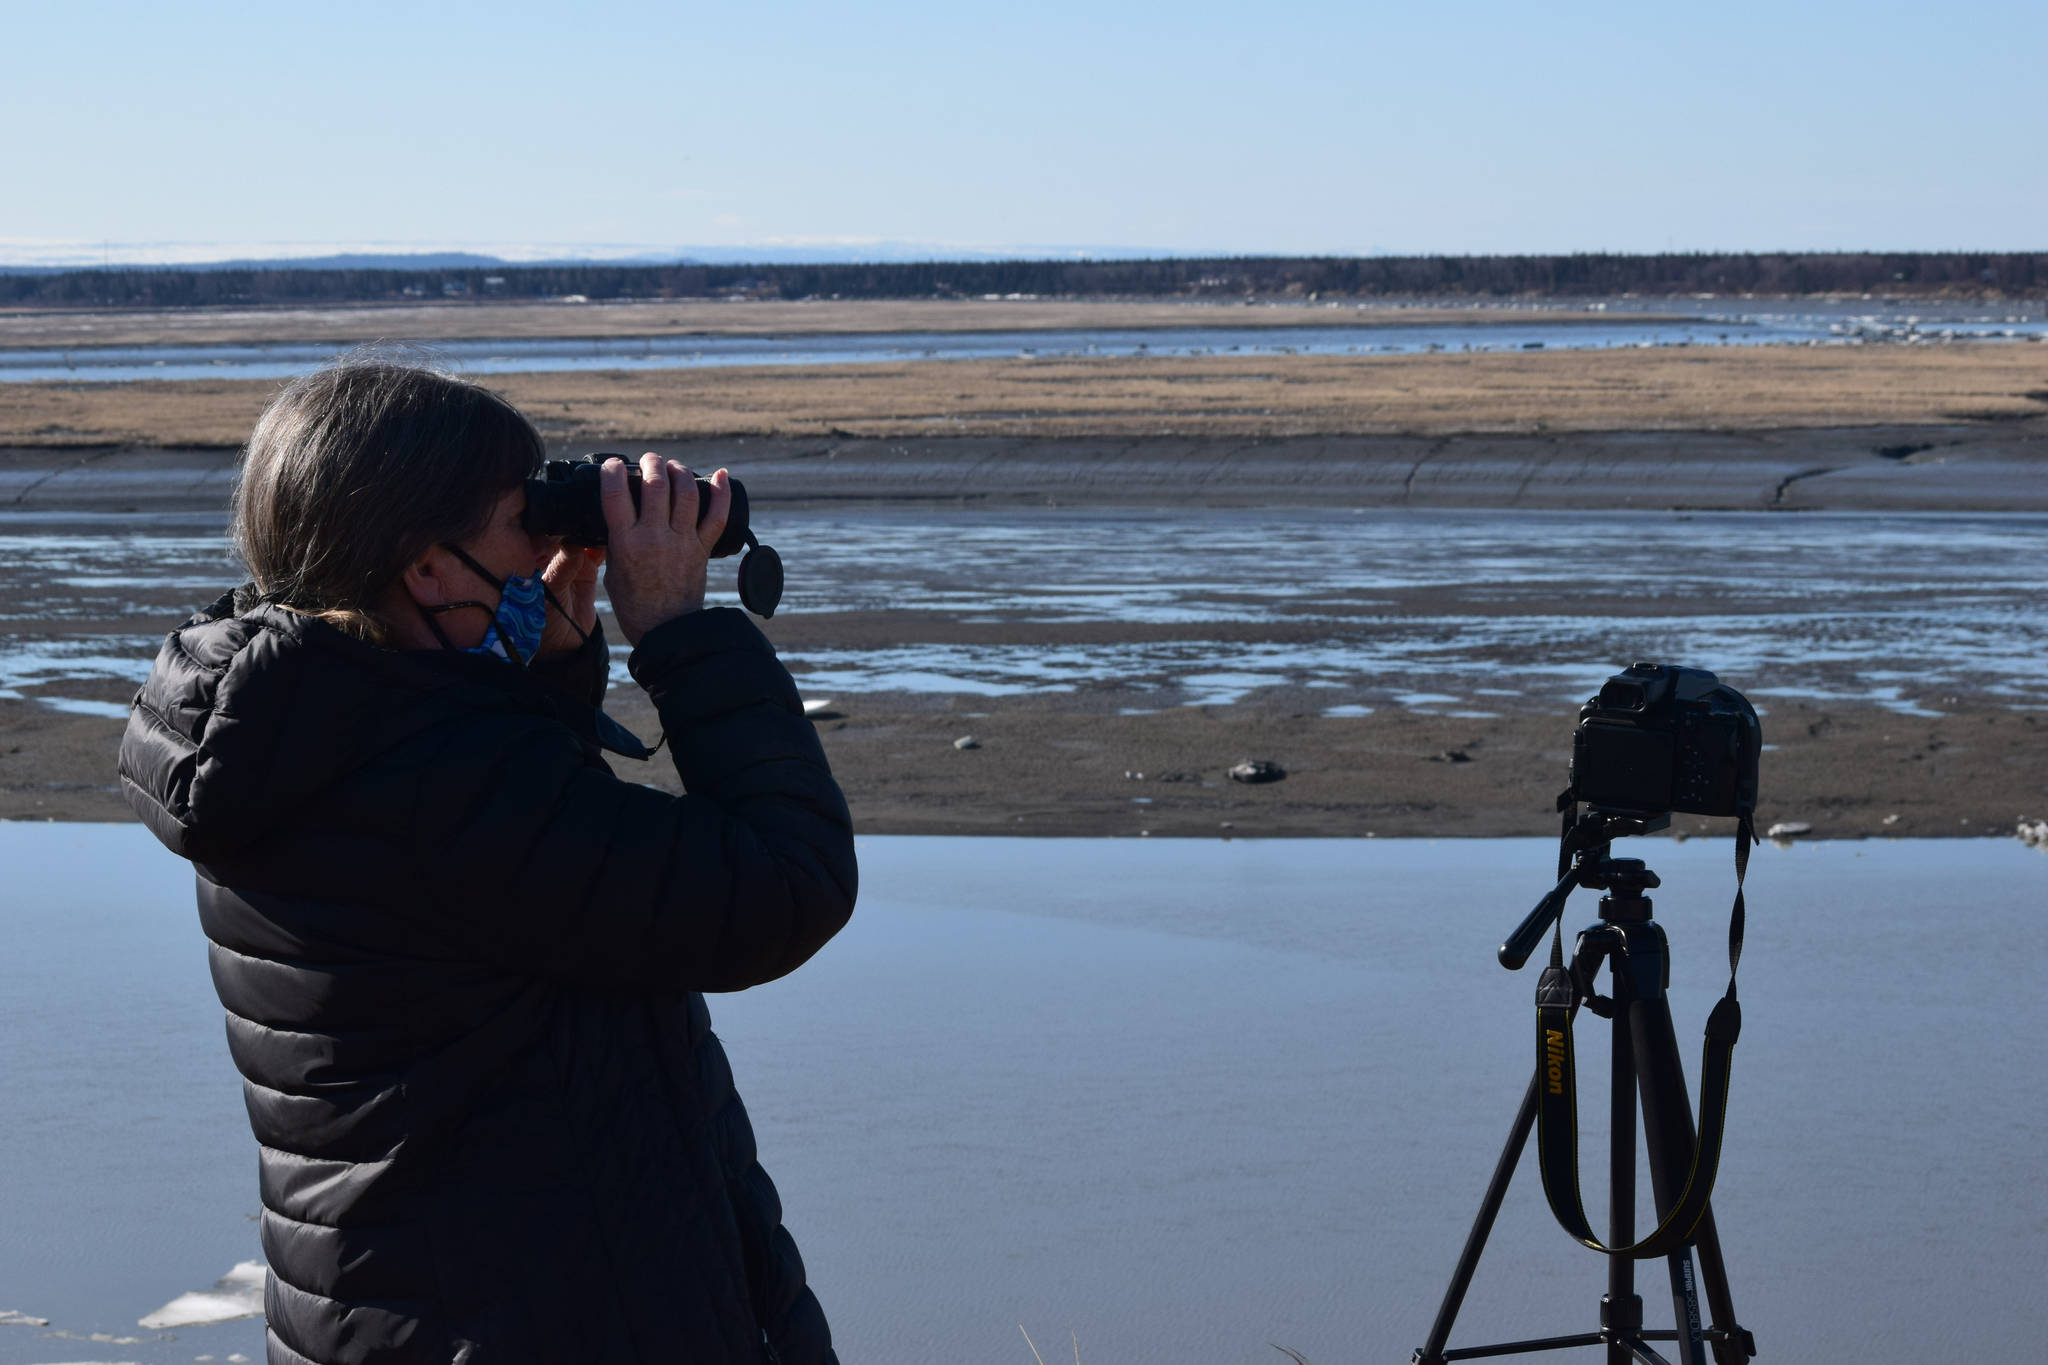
(478,320)
(1679,389)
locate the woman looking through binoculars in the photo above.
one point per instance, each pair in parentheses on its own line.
(462,961)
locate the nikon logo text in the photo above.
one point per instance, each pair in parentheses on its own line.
(1553,1060)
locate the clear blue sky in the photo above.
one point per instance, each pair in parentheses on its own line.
(1271,126)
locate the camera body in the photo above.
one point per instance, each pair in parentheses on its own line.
(565,499)
(1660,739)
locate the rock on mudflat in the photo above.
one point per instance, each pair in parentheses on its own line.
(1257,770)
(967,742)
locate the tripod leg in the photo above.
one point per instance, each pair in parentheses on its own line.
(1669,1134)
(1685,1306)
(1621,1312)
(1432,1352)
(1734,1345)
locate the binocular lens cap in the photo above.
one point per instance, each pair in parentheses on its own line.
(761,581)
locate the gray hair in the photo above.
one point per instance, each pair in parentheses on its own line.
(356,469)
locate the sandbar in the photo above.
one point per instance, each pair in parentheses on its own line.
(1666,389)
(481,319)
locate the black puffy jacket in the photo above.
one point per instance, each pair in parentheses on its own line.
(461,962)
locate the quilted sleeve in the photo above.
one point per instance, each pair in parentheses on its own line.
(541,862)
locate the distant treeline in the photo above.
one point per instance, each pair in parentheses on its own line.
(2008,275)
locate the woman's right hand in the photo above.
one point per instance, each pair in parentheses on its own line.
(654,568)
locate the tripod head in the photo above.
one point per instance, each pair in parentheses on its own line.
(1626,877)
(1585,847)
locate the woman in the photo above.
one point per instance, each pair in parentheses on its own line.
(461,959)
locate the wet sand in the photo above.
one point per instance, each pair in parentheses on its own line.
(1974,466)
(1074,765)
(1041,771)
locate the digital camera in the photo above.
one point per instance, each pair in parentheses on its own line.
(1662,740)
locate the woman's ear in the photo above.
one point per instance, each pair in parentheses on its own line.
(426,579)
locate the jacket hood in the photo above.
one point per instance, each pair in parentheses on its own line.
(252,710)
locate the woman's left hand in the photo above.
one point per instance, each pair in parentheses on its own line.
(572,577)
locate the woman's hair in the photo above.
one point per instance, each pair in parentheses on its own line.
(356,469)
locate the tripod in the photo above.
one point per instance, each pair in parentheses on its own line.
(1645,1060)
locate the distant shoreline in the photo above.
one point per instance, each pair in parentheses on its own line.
(2002,276)
(343,323)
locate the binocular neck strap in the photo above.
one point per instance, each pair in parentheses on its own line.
(1557,1112)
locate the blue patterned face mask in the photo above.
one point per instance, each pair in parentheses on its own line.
(517,623)
(515,629)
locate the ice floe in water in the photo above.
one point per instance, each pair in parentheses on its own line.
(14,1317)
(238,1294)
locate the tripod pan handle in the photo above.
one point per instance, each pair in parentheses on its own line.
(1529,933)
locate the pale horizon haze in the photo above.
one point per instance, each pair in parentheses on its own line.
(1286,128)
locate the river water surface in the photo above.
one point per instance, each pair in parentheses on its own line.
(1339,610)
(1166,1101)
(1754,325)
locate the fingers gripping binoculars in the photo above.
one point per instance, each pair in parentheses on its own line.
(566,499)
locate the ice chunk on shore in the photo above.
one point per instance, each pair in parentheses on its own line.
(238,1294)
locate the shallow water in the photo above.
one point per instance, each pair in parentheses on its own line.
(1178,1099)
(1571,332)
(1427,609)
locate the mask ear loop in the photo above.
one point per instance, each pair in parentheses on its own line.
(499,584)
(556,603)
(427,613)
(480,571)
(549,593)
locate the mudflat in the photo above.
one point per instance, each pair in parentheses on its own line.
(1044,767)
(1798,428)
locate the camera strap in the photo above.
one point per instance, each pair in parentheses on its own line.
(1557,1126)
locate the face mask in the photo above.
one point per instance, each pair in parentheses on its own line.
(517,623)
(515,629)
